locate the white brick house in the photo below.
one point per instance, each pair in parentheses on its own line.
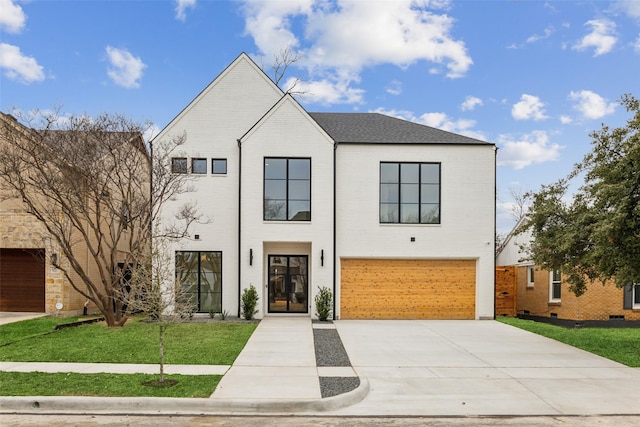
(395,217)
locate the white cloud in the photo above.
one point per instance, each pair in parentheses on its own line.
(326,92)
(547,33)
(529,149)
(126,69)
(470,103)
(630,7)
(394,88)
(601,37)
(12,18)
(565,120)
(530,107)
(591,105)
(338,39)
(18,66)
(181,8)
(439,121)
(636,45)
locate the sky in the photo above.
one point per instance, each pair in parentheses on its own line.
(534,77)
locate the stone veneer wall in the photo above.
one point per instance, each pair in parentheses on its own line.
(22,230)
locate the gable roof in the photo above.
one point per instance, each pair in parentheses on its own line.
(376,128)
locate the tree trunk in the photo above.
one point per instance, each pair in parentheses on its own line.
(161,329)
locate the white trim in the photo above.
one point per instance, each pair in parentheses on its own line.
(551,283)
(635,290)
(530,273)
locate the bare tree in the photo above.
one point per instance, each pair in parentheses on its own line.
(88,181)
(281,63)
(148,292)
(521,203)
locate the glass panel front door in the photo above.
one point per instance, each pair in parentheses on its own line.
(288,283)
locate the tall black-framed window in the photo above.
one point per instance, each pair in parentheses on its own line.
(199,276)
(287,189)
(409,193)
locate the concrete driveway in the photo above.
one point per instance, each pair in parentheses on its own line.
(480,368)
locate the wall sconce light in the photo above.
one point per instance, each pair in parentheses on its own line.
(322,257)
(250,256)
(53,259)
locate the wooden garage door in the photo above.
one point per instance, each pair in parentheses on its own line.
(407,289)
(22,280)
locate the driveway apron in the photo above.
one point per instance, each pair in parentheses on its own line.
(458,368)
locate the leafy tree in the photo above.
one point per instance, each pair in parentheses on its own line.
(87,180)
(596,235)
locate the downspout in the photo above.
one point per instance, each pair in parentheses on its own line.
(335,261)
(239,224)
(495,227)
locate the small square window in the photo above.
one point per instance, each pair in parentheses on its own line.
(179,165)
(219,166)
(199,166)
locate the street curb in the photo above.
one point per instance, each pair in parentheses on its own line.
(177,406)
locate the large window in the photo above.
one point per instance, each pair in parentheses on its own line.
(287,189)
(410,193)
(555,286)
(199,276)
(636,295)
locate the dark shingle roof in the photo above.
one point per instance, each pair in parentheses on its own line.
(375,128)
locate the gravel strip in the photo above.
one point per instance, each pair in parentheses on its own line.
(333,386)
(330,352)
(329,348)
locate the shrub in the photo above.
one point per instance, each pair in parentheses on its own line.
(249,302)
(324,303)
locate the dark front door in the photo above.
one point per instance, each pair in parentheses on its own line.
(288,283)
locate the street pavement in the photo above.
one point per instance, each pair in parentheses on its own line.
(407,368)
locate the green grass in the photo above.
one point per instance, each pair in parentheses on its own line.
(619,344)
(29,328)
(190,343)
(71,384)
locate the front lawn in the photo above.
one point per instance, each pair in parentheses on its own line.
(72,384)
(188,343)
(619,344)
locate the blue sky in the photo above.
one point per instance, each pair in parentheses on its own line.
(534,77)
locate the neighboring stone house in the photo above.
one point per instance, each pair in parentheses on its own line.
(396,218)
(544,295)
(29,255)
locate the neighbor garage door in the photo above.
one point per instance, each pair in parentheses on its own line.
(21,280)
(407,289)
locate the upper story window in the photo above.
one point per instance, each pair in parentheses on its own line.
(179,165)
(410,193)
(199,166)
(287,189)
(555,286)
(219,166)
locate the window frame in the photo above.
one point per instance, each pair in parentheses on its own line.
(287,181)
(199,271)
(399,189)
(552,284)
(531,273)
(635,296)
(174,169)
(193,164)
(213,168)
